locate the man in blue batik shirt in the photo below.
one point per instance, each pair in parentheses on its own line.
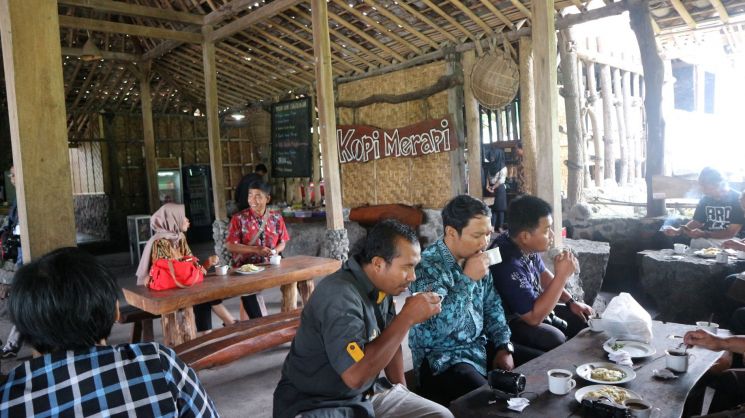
(453,351)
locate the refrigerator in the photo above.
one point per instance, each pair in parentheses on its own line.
(200,209)
(169,180)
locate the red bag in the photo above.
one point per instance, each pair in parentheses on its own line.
(168,274)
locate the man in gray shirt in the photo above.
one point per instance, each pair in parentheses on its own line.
(349,333)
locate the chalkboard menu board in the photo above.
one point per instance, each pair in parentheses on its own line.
(291,138)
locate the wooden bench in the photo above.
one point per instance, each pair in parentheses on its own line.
(241,339)
(142,330)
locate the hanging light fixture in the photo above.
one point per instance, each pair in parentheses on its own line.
(90,50)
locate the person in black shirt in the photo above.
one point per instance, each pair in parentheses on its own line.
(718,215)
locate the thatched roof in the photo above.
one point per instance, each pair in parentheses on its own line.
(265,50)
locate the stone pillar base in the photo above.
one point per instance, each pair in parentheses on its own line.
(336,245)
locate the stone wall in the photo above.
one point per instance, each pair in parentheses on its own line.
(626,236)
(92,215)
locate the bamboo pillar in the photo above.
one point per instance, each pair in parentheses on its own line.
(527,114)
(316,163)
(575,162)
(592,100)
(641,23)
(475,187)
(326,114)
(148,133)
(630,130)
(618,105)
(638,111)
(608,136)
(668,107)
(546,105)
(36,114)
(213,125)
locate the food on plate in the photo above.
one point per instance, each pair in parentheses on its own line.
(617,346)
(615,394)
(607,375)
(710,251)
(248,268)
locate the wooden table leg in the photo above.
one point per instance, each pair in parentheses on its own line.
(289,297)
(178,327)
(306,289)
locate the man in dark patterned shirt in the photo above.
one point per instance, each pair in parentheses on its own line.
(64,305)
(453,351)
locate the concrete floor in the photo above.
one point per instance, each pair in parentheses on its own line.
(243,388)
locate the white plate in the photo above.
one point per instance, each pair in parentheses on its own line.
(635,349)
(584,371)
(702,254)
(581,392)
(261,268)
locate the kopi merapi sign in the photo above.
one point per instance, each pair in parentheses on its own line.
(362,143)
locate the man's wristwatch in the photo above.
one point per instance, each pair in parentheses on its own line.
(570,301)
(507,347)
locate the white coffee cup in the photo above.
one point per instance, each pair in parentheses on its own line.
(560,381)
(275,260)
(712,327)
(680,248)
(639,408)
(723,258)
(677,360)
(222,270)
(494,256)
(595,324)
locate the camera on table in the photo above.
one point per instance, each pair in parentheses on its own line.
(604,408)
(506,384)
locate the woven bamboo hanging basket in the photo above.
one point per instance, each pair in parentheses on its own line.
(495,79)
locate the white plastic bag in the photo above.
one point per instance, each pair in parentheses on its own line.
(625,319)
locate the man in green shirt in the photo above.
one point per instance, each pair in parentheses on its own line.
(349,333)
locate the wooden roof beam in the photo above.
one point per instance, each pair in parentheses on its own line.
(127,9)
(412,11)
(367,20)
(349,41)
(107,55)
(450,19)
(340,20)
(680,8)
(721,10)
(521,7)
(401,23)
(189,72)
(264,12)
(310,44)
(307,57)
(299,76)
(266,57)
(125,28)
(279,82)
(493,9)
(471,15)
(335,46)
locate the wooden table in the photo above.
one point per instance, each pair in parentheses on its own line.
(174,305)
(668,395)
(685,288)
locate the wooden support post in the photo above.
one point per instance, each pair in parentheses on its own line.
(606,93)
(639,19)
(592,101)
(455,108)
(527,114)
(575,143)
(630,129)
(213,124)
(621,124)
(638,119)
(546,106)
(151,168)
(36,113)
(475,187)
(326,114)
